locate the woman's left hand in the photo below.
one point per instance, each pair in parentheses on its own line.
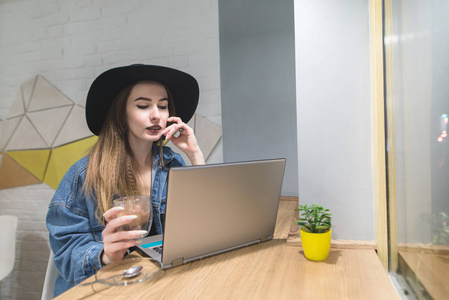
(185,140)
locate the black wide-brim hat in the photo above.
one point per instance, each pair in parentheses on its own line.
(183,87)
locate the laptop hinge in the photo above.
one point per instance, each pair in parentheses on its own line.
(177,262)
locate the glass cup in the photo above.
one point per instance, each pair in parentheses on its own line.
(135,205)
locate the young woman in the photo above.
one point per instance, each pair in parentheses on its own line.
(132,109)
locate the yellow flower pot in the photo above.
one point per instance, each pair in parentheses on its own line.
(316,246)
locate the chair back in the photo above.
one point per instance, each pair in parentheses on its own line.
(50,278)
(8,225)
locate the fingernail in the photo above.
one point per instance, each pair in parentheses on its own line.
(141,232)
(130,217)
(116,208)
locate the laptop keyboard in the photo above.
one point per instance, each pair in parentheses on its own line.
(158,249)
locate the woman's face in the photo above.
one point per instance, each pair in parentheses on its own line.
(147,111)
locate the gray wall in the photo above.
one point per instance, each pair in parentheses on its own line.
(257,69)
(334,117)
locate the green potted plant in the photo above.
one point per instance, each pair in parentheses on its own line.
(315,223)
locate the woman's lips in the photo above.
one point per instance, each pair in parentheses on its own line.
(154,129)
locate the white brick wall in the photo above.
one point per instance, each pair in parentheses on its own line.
(70,43)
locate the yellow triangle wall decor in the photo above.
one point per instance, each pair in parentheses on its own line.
(35,161)
(62,158)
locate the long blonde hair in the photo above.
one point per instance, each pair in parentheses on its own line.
(112,168)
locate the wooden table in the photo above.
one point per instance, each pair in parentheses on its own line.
(270,270)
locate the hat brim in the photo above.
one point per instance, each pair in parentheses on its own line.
(183,87)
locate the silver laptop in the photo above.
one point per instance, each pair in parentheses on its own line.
(216,208)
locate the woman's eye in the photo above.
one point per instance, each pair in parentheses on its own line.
(142,106)
(163,107)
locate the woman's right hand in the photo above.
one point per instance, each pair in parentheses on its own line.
(116,243)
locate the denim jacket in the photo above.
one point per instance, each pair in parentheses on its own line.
(75,233)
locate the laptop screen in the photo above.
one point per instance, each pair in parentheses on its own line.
(219,207)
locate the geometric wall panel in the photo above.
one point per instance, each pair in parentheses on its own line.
(7,129)
(208,134)
(18,107)
(62,158)
(35,161)
(27,89)
(26,137)
(12,174)
(41,119)
(45,95)
(49,122)
(74,128)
